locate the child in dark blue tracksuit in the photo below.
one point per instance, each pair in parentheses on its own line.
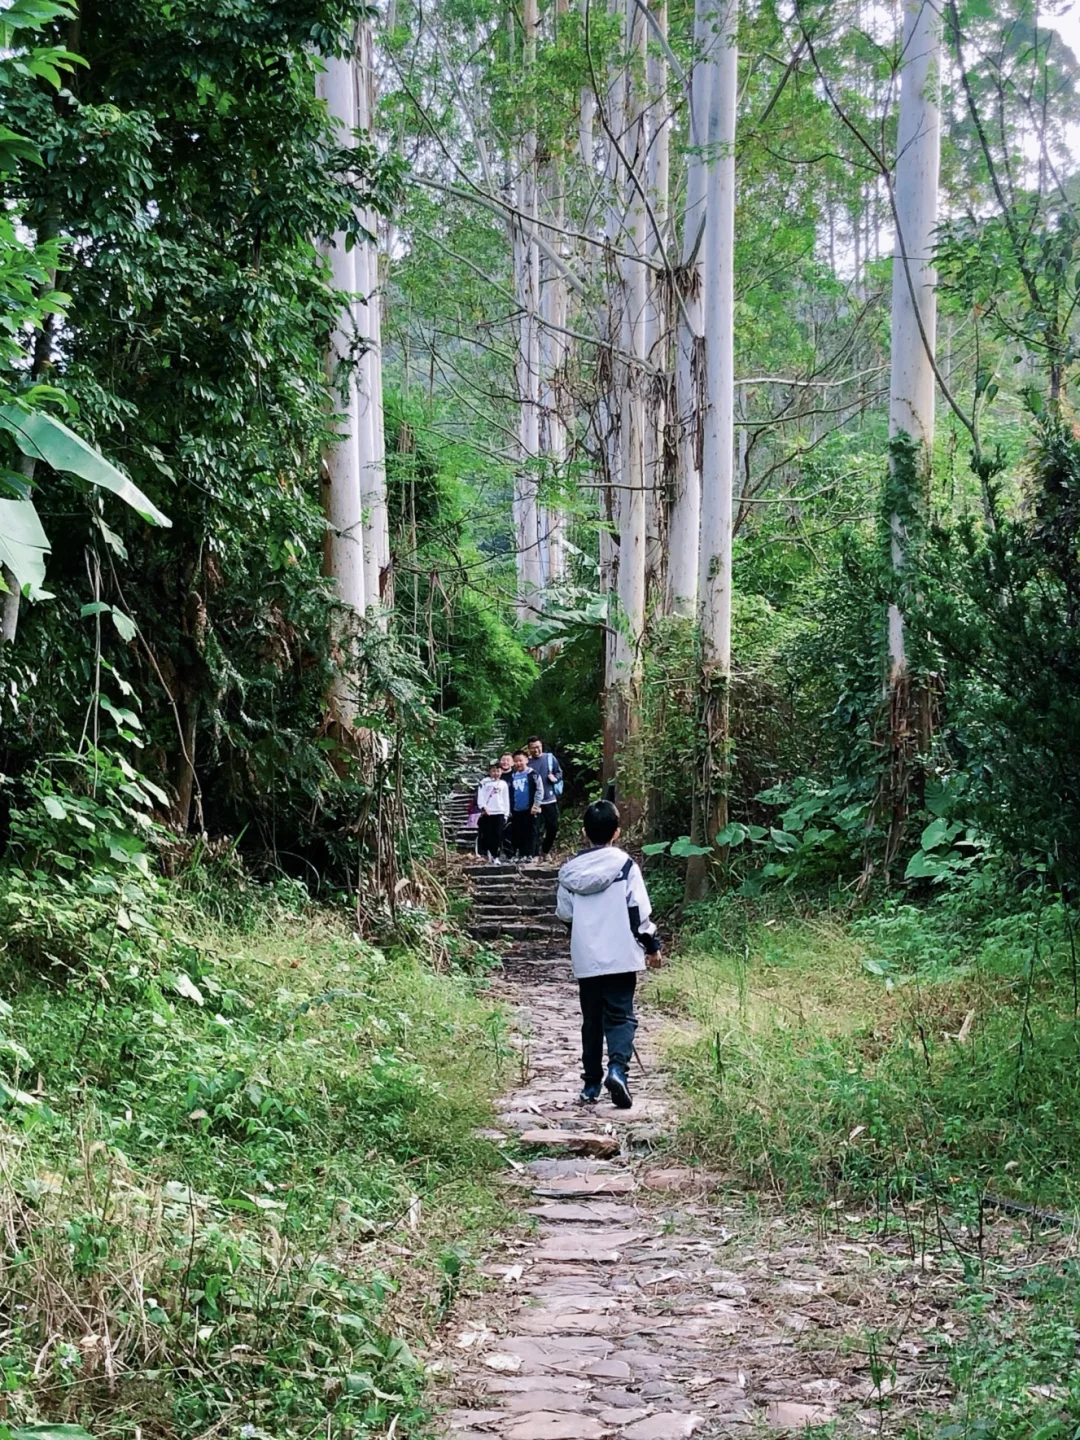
(524,807)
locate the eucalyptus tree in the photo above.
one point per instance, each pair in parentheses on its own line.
(349,446)
(718,450)
(371,427)
(912,387)
(684,519)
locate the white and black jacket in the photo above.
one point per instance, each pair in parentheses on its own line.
(493,798)
(602,897)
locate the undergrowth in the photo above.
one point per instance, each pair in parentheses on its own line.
(910,1051)
(918,1062)
(239,1180)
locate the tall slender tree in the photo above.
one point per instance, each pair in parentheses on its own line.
(684,519)
(342,475)
(527,267)
(369,385)
(658,180)
(912,381)
(624,710)
(714,573)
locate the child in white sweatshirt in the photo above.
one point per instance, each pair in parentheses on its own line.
(493,802)
(602,897)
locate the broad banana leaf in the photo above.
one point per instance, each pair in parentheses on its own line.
(43,437)
(23,545)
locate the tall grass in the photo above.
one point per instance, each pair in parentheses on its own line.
(231,1195)
(913,1048)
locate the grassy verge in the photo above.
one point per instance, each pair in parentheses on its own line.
(910,1062)
(238,1190)
(904,1049)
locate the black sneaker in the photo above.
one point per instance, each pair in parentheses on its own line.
(590,1094)
(617,1088)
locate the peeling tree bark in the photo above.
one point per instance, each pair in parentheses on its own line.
(658,171)
(632,505)
(527,269)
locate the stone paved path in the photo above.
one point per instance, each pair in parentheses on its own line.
(641,1304)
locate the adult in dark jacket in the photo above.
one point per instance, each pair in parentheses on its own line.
(549,772)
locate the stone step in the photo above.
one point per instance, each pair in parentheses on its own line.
(574,1142)
(498,872)
(513,898)
(501,931)
(510,874)
(495,876)
(509,912)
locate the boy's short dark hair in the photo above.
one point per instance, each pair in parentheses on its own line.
(494,765)
(601,821)
(521,753)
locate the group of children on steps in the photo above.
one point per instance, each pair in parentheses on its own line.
(602,900)
(518,805)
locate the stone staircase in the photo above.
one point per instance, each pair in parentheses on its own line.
(456,806)
(516,903)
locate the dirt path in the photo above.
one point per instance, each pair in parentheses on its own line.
(643,1303)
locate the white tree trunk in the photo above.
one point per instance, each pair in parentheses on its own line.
(343,503)
(553,352)
(684,520)
(610,407)
(11,601)
(656,319)
(635,301)
(9,609)
(526,508)
(914,294)
(586,142)
(718,457)
(370,437)
(714,571)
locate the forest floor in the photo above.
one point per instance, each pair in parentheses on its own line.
(643,1298)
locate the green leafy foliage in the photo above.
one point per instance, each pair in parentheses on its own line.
(929,1051)
(1003,607)
(203,1102)
(452,589)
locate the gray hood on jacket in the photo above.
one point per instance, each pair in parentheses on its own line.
(592,871)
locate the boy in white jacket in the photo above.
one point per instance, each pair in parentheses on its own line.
(493,802)
(602,898)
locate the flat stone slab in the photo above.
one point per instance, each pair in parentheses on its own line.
(665,1425)
(600,1213)
(619,1418)
(526,1384)
(552,1401)
(580,1142)
(549,1425)
(586,1185)
(676,1178)
(791,1415)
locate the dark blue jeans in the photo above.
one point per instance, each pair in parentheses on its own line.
(607,1013)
